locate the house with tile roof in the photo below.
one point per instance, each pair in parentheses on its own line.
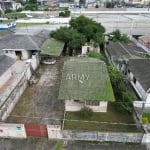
(23,46)
(138,72)
(85,82)
(128,58)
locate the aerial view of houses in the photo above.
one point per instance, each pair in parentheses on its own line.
(72,73)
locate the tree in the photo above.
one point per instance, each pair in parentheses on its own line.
(84,25)
(117,36)
(81,30)
(73,39)
(110,5)
(65,13)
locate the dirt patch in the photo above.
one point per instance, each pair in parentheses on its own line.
(39,103)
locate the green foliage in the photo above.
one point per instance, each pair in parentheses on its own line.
(110,5)
(96,6)
(31,6)
(124,98)
(8,11)
(95,54)
(115,75)
(72,37)
(19,10)
(125,104)
(117,36)
(145,120)
(15,15)
(65,13)
(125,38)
(86,113)
(58,146)
(87,27)
(81,30)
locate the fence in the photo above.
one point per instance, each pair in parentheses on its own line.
(55,132)
(102,136)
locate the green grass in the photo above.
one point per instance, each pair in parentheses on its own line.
(147,115)
(96,87)
(28,24)
(111,116)
(52,47)
(5,32)
(15,14)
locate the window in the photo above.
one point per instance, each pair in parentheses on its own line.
(92,103)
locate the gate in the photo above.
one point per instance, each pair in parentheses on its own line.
(36,130)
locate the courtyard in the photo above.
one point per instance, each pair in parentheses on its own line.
(39,104)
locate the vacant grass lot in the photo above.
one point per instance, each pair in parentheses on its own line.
(28,24)
(110,121)
(52,47)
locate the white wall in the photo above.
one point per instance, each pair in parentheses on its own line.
(54,131)
(71,105)
(11,54)
(25,54)
(146,138)
(12,131)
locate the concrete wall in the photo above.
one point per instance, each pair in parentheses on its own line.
(5,77)
(71,105)
(11,96)
(102,136)
(12,131)
(54,131)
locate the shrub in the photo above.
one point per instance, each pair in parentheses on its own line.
(95,54)
(145,120)
(86,112)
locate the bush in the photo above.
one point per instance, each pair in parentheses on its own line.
(95,54)
(145,120)
(86,112)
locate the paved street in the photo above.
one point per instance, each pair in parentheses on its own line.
(45,144)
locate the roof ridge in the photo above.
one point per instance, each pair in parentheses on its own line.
(30,37)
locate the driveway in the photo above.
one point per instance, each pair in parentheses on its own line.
(39,103)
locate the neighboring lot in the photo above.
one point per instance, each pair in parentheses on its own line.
(39,103)
(112,118)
